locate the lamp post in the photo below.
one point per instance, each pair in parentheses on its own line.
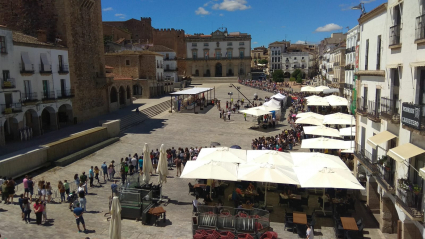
(238,88)
(230,96)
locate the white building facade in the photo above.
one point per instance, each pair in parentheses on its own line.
(169,62)
(353,37)
(390,147)
(219,54)
(296,60)
(36,91)
(276,50)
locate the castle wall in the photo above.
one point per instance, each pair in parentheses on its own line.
(115,32)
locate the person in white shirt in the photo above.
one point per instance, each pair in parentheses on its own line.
(309,232)
(195,204)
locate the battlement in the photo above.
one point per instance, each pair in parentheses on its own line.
(171,30)
(146,18)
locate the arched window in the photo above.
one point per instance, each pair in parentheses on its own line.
(128,92)
(114,95)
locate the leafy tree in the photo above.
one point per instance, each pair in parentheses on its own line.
(299,79)
(263,61)
(292,79)
(278,76)
(295,73)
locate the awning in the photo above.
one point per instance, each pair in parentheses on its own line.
(422,173)
(417,64)
(45,62)
(404,152)
(193,91)
(393,65)
(26,60)
(380,138)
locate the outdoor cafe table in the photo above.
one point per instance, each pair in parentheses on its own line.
(295,196)
(349,223)
(199,185)
(299,218)
(157,212)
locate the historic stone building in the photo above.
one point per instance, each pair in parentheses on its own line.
(143,32)
(219,54)
(78,26)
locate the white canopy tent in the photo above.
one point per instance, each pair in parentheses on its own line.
(308,114)
(255,112)
(309,120)
(349,131)
(210,169)
(319,160)
(336,100)
(322,87)
(339,118)
(317,102)
(270,157)
(321,130)
(309,89)
(323,143)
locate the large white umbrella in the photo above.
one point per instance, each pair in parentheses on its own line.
(321,130)
(322,87)
(309,89)
(308,114)
(349,131)
(336,100)
(223,154)
(147,164)
(309,120)
(269,156)
(339,118)
(325,177)
(162,165)
(313,97)
(267,173)
(255,112)
(210,169)
(268,108)
(317,160)
(115,223)
(317,102)
(323,143)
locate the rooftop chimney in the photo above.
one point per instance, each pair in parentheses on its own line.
(41,36)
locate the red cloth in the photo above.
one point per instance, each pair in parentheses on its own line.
(238,191)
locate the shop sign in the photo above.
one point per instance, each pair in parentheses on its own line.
(411,115)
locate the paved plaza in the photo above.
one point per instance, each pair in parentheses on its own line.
(174,130)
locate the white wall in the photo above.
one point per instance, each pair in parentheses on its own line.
(223,45)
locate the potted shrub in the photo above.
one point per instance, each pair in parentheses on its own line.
(416,189)
(405,184)
(382,159)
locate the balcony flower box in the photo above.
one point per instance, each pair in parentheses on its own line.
(405,185)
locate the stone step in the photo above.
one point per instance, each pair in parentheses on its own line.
(135,119)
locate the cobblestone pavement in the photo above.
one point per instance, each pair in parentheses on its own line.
(178,130)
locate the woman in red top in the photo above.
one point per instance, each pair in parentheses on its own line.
(38,209)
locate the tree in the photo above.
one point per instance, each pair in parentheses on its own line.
(278,76)
(287,75)
(292,79)
(299,79)
(263,61)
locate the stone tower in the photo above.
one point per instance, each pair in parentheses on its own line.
(78,23)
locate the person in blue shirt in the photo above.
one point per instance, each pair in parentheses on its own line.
(91,176)
(141,164)
(114,188)
(78,214)
(104,168)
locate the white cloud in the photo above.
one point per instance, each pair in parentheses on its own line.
(120,15)
(221,14)
(107,9)
(329,28)
(255,43)
(232,5)
(299,42)
(202,11)
(367,1)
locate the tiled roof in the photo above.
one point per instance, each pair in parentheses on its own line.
(108,67)
(160,48)
(22,38)
(128,52)
(118,77)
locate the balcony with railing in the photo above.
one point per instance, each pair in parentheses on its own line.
(26,68)
(390,110)
(171,69)
(420,29)
(11,108)
(361,106)
(373,111)
(29,97)
(8,83)
(170,58)
(348,86)
(409,196)
(45,68)
(48,95)
(337,63)
(349,67)
(63,69)
(65,93)
(395,33)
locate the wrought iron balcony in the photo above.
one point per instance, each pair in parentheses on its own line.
(26,68)
(11,108)
(373,111)
(65,93)
(8,83)
(390,109)
(63,69)
(170,70)
(420,28)
(45,69)
(29,97)
(361,106)
(48,95)
(395,33)
(170,59)
(336,63)
(410,197)
(349,67)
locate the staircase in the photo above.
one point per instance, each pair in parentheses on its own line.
(134,119)
(233,79)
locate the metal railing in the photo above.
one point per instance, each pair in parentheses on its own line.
(65,93)
(390,109)
(349,67)
(395,33)
(170,59)
(29,97)
(170,69)
(373,110)
(42,70)
(63,69)
(348,86)
(420,27)
(8,84)
(11,108)
(48,95)
(330,70)
(223,58)
(336,63)
(26,68)
(361,105)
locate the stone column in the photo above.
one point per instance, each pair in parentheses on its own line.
(410,231)
(2,132)
(372,195)
(386,225)
(54,121)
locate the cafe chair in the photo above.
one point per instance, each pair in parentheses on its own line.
(289,223)
(359,222)
(191,189)
(360,232)
(283,201)
(339,230)
(304,201)
(312,223)
(301,230)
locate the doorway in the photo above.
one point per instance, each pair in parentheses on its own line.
(218,70)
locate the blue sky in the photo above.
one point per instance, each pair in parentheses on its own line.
(265,20)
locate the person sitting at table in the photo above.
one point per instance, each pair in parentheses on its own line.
(207,199)
(326,200)
(195,204)
(284,195)
(238,191)
(249,204)
(250,188)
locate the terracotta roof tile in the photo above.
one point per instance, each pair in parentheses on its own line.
(22,38)
(160,48)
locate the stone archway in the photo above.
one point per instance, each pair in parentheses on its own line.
(48,119)
(31,120)
(11,129)
(113,95)
(196,72)
(218,70)
(65,114)
(128,93)
(207,73)
(122,95)
(230,72)
(241,71)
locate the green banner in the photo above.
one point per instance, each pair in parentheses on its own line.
(353,101)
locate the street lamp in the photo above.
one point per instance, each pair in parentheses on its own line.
(230,96)
(360,7)
(238,88)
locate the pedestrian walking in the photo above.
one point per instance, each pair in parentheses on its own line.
(4,192)
(27,210)
(66,186)
(244,115)
(30,188)
(61,189)
(96,174)
(114,188)
(26,189)
(78,214)
(83,180)
(91,176)
(38,210)
(82,200)
(49,192)
(21,205)
(110,172)
(11,189)
(228,114)
(104,168)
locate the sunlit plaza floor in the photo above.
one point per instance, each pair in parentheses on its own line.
(173,130)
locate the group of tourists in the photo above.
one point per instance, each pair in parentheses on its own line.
(286,140)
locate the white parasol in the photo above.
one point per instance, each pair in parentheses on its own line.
(321,131)
(162,165)
(115,224)
(309,120)
(147,164)
(323,143)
